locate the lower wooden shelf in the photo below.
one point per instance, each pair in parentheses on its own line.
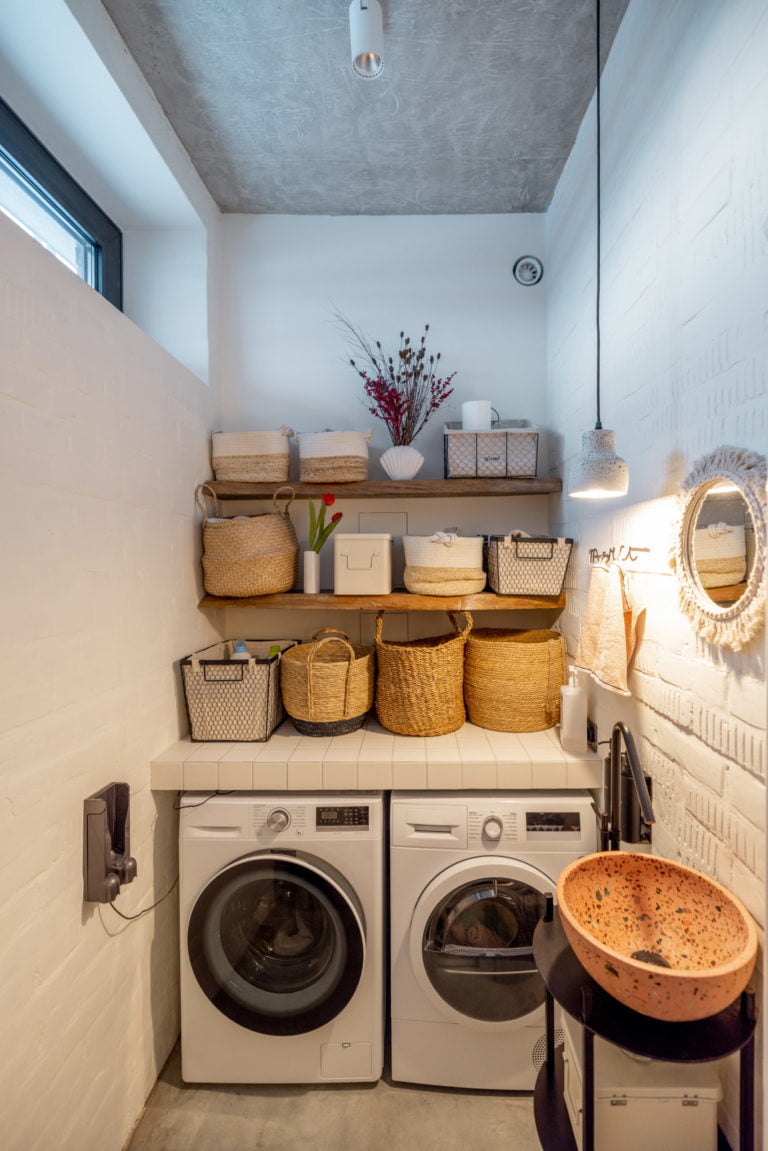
(396,601)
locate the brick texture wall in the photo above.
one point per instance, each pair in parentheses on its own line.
(684,370)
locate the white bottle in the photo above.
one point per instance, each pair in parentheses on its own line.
(573,717)
(239,650)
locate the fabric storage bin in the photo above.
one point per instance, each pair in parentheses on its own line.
(327,685)
(256,457)
(512,679)
(720,554)
(248,555)
(519,564)
(419,681)
(362,564)
(510,448)
(443,564)
(234,699)
(333,457)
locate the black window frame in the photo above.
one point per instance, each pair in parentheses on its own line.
(67,199)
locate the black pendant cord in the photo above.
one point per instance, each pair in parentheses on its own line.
(598,424)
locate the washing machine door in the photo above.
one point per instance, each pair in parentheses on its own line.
(471,941)
(277,944)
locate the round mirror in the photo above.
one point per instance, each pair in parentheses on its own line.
(720,548)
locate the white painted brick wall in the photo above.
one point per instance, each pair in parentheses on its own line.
(685,368)
(102,439)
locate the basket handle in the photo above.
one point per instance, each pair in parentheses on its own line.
(330,630)
(311,660)
(461,631)
(467,622)
(289,500)
(201,492)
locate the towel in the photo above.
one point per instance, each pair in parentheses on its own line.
(609,629)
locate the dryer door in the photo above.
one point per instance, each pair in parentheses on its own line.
(276,944)
(471,941)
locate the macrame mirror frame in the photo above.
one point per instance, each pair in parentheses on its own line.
(731,625)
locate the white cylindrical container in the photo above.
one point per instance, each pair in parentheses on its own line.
(476,416)
(573,717)
(311,572)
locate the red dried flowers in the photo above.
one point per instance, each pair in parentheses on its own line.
(404,390)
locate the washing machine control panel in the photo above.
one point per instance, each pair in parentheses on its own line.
(335,817)
(520,826)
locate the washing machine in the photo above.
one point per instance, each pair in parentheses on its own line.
(282,937)
(469,874)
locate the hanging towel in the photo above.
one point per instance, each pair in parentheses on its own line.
(609,629)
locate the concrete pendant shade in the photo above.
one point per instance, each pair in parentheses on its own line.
(598,473)
(658,936)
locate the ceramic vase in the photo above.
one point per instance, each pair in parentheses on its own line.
(311,572)
(402,462)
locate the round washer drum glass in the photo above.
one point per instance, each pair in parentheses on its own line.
(276,946)
(478,950)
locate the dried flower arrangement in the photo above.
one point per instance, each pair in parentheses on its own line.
(319,530)
(402,390)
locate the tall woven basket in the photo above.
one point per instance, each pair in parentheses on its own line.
(248,555)
(419,682)
(327,685)
(512,679)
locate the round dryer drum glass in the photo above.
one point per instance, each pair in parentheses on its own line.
(275,946)
(478,950)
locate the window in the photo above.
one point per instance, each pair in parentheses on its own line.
(43,199)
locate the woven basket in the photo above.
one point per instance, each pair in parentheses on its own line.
(512,679)
(248,555)
(333,457)
(327,685)
(257,457)
(419,682)
(443,564)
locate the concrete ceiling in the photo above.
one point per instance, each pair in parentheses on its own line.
(476,110)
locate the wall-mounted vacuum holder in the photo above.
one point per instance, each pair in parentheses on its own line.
(107,862)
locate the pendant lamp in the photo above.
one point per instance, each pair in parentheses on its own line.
(598,473)
(366,34)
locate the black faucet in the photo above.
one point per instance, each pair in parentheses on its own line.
(612,834)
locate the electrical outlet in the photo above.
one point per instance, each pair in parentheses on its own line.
(591,735)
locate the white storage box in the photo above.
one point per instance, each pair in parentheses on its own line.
(641,1103)
(362,564)
(510,448)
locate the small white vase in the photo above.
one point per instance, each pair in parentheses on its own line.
(402,462)
(311,572)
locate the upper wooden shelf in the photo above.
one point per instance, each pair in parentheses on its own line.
(396,601)
(392,489)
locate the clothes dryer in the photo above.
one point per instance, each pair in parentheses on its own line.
(469,874)
(282,938)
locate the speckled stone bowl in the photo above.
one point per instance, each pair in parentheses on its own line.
(660,937)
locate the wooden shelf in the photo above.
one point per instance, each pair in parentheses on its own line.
(391,489)
(397,601)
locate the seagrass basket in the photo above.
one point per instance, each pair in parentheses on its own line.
(512,679)
(327,684)
(257,457)
(333,457)
(248,555)
(443,564)
(419,682)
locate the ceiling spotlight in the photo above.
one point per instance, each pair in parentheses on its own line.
(366,33)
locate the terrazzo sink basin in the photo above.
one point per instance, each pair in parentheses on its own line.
(660,937)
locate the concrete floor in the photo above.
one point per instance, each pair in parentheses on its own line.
(381,1116)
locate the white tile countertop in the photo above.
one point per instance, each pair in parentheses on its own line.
(373,758)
